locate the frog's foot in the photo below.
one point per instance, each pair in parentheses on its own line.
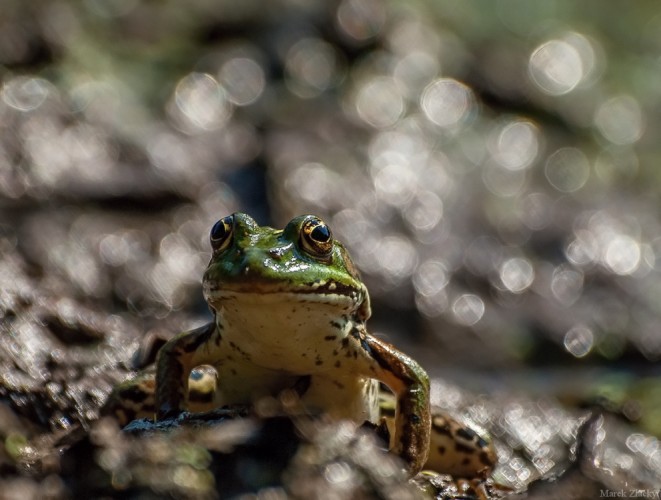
(457,449)
(135,399)
(460,462)
(446,487)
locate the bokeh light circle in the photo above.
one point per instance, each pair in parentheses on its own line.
(556,67)
(567,169)
(201,102)
(579,341)
(447,102)
(468,309)
(620,120)
(379,102)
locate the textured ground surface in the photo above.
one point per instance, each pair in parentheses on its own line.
(492,167)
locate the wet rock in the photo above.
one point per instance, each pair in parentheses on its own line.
(59,358)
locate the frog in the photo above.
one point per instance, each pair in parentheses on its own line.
(289,315)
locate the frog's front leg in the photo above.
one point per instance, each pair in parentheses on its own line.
(410,384)
(175,361)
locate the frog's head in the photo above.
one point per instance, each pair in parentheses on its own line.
(300,263)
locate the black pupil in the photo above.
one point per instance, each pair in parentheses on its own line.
(321,233)
(219,230)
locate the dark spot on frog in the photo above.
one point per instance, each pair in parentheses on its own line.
(360,337)
(338,364)
(462,448)
(466,461)
(467,434)
(233,371)
(243,354)
(345,342)
(335,353)
(485,459)
(336,324)
(339,385)
(134,393)
(200,397)
(328,337)
(441,450)
(318,361)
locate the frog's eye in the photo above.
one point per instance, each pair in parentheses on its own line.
(316,238)
(221,233)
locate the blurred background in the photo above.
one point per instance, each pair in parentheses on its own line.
(491,165)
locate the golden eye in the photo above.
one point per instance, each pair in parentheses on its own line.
(316,238)
(221,233)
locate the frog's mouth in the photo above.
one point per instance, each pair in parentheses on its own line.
(331,293)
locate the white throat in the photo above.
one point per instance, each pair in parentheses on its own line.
(285,331)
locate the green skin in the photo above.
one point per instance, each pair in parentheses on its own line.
(289,313)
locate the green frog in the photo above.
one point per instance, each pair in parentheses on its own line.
(290,314)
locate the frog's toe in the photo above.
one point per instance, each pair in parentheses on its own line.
(167,412)
(444,486)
